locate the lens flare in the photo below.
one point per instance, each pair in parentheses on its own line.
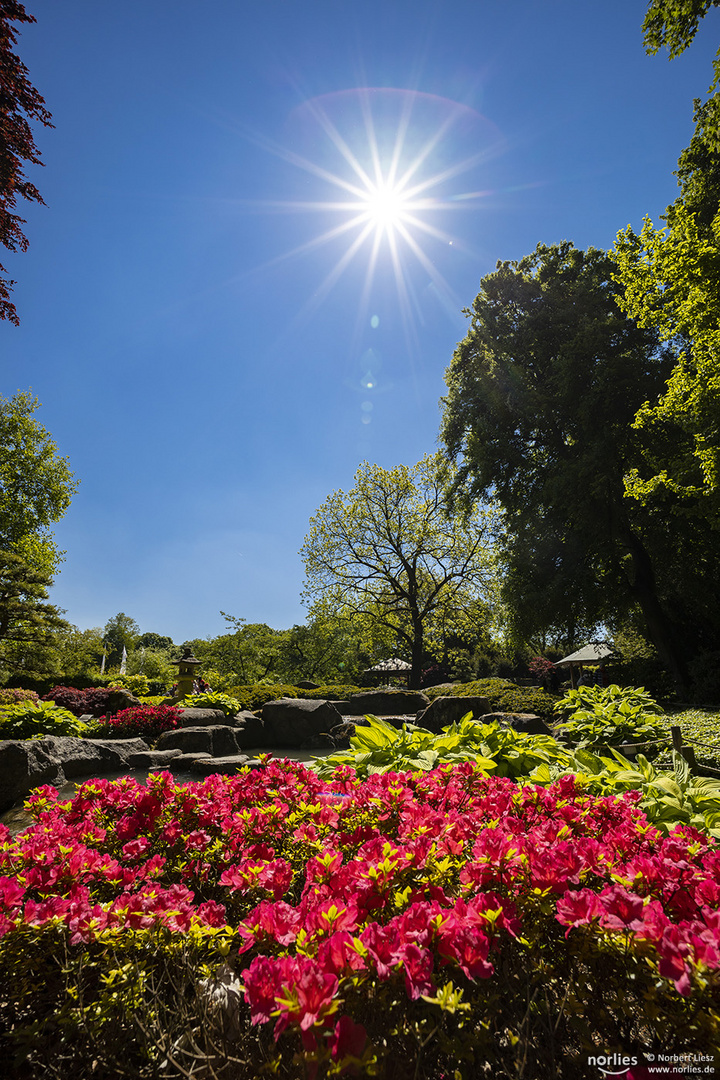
(386,165)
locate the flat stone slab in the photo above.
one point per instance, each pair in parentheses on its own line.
(148,759)
(227,766)
(185,762)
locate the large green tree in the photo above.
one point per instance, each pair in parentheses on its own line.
(28,623)
(36,483)
(36,486)
(671,282)
(120,632)
(391,548)
(542,394)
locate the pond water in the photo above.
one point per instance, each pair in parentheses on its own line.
(17,819)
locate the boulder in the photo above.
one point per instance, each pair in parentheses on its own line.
(185,762)
(249,730)
(386,703)
(215,739)
(448,710)
(27,763)
(120,698)
(527,723)
(203,717)
(83,757)
(292,721)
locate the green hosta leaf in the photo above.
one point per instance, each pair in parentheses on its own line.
(668,785)
(541,774)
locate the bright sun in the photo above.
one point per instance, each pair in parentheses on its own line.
(385,160)
(387,207)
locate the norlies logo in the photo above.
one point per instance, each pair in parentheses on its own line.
(608,1063)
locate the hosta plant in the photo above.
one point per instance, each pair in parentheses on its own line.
(609,715)
(378,747)
(211,699)
(33,719)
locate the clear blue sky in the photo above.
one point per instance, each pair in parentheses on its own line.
(210,365)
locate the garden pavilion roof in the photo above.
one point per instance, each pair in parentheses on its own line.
(593,653)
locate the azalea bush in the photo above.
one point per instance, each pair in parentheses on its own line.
(143,720)
(430,925)
(34,719)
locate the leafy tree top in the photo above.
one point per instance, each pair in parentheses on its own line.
(36,484)
(392,548)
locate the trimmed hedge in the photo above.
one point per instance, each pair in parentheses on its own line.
(503,695)
(254,695)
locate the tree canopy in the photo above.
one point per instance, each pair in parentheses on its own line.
(389,547)
(36,483)
(19,103)
(542,394)
(672,24)
(120,632)
(671,282)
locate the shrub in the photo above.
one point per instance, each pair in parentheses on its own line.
(332,692)
(541,668)
(11,695)
(33,719)
(141,720)
(442,924)
(503,695)
(80,702)
(136,684)
(254,695)
(212,699)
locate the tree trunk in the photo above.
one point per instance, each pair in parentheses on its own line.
(418,652)
(660,628)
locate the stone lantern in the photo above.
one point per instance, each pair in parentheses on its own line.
(187,665)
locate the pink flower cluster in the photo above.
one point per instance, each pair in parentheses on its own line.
(400,878)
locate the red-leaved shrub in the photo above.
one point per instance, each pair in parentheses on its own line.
(94,700)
